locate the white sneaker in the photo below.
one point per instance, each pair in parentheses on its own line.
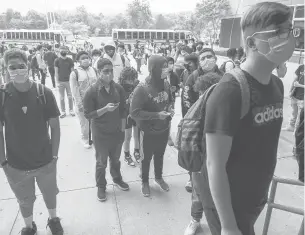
(192,228)
(288,128)
(87,146)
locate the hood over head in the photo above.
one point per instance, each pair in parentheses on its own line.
(155,64)
(110,44)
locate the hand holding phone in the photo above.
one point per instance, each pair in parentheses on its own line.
(111,107)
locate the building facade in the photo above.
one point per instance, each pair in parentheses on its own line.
(230,32)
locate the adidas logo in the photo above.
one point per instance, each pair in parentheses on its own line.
(268,113)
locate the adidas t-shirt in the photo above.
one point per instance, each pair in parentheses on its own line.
(253,156)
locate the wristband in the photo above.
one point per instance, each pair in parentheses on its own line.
(4,163)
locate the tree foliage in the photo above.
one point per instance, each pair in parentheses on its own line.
(139,14)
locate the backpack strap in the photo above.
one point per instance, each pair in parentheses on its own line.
(239,75)
(41,93)
(76,74)
(123,60)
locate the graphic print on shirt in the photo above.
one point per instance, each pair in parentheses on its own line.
(267,114)
(162,97)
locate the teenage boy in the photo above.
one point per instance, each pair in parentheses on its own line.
(49,58)
(104,105)
(234,181)
(29,153)
(41,63)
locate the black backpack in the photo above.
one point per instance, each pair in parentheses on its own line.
(34,62)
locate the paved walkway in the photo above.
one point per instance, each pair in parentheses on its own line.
(129,213)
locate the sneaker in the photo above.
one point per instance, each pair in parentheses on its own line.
(101,194)
(121,185)
(63,115)
(30,231)
(129,160)
(87,146)
(192,228)
(162,184)
(145,189)
(189,186)
(72,113)
(137,156)
(55,226)
(288,128)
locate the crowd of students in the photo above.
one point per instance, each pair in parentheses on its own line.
(111,105)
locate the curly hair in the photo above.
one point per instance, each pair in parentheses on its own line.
(205,81)
(128,73)
(15,53)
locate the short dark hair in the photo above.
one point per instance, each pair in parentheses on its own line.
(231,53)
(127,73)
(207,49)
(39,47)
(200,43)
(96,52)
(264,14)
(80,53)
(15,53)
(168,58)
(192,57)
(121,45)
(49,47)
(205,81)
(102,62)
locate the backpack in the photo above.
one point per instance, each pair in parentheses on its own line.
(223,66)
(5,94)
(190,139)
(76,73)
(34,62)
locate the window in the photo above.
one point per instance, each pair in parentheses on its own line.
(141,35)
(121,34)
(115,35)
(135,35)
(21,35)
(299,12)
(147,35)
(52,36)
(17,35)
(9,35)
(38,35)
(182,36)
(165,35)
(300,40)
(47,36)
(30,35)
(159,35)
(177,36)
(170,36)
(43,36)
(153,35)
(57,38)
(128,35)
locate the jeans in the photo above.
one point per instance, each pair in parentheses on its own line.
(152,145)
(296,107)
(23,185)
(109,146)
(52,74)
(84,125)
(43,76)
(62,87)
(196,209)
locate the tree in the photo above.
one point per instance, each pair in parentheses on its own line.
(77,28)
(139,14)
(210,12)
(82,15)
(162,22)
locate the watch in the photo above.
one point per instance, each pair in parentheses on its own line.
(4,163)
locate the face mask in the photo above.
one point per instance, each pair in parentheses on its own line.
(164,73)
(106,78)
(199,48)
(85,63)
(208,64)
(128,87)
(19,75)
(63,53)
(280,49)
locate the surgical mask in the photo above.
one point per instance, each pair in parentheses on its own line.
(207,64)
(85,63)
(106,78)
(19,75)
(280,49)
(63,53)
(164,73)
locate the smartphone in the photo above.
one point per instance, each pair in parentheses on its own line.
(117,104)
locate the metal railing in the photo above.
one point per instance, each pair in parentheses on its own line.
(272,205)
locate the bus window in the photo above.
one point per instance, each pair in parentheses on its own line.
(134,35)
(182,36)
(9,35)
(170,36)
(34,35)
(165,35)
(47,36)
(147,35)
(57,38)
(153,35)
(115,35)
(17,35)
(43,36)
(13,35)
(29,35)
(25,35)
(141,35)
(38,35)
(21,35)
(52,36)
(159,35)
(121,34)
(128,35)
(176,36)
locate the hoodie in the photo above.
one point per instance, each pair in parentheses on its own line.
(116,60)
(151,98)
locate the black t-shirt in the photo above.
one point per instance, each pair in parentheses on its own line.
(253,155)
(50,58)
(28,144)
(65,67)
(299,91)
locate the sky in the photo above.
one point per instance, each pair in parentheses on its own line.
(107,7)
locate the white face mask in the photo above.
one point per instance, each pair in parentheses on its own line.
(280,49)
(164,73)
(19,75)
(207,64)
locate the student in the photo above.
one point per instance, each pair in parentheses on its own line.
(240,172)
(151,109)
(42,67)
(29,154)
(129,80)
(104,105)
(299,144)
(179,59)
(81,79)
(49,58)
(95,55)
(137,55)
(172,78)
(203,83)
(63,67)
(199,47)
(297,97)
(122,51)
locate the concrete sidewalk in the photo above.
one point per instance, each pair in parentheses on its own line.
(129,213)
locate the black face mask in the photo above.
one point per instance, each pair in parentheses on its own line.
(128,87)
(63,53)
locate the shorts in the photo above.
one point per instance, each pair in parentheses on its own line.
(130,122)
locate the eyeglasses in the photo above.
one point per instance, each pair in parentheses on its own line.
(282,33)
(17,66)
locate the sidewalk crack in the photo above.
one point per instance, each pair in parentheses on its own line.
(117,210)
(14,222)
